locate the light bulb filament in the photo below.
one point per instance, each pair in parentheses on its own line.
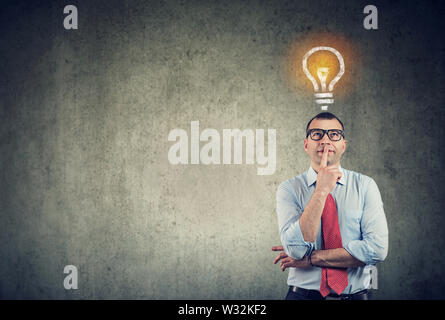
(322,74)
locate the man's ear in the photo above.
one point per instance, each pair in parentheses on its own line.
(305,144)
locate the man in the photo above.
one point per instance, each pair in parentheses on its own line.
(331,221)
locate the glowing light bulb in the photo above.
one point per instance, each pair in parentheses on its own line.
(324,97)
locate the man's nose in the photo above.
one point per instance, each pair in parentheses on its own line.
(325,139)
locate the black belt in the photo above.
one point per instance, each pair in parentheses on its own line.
(315,294)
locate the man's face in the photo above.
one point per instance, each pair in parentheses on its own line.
(315,148)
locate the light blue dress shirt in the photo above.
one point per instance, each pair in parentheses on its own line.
(362,221)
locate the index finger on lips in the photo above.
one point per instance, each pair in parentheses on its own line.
(324,157)
(277,248)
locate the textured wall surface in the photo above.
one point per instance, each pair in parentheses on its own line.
(85,115)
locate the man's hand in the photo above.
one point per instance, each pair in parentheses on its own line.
(327,175)
(281,255)
(289,262)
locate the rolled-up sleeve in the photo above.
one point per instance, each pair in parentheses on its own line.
(289,212)
(373,247)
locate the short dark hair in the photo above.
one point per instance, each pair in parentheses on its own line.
(327,116)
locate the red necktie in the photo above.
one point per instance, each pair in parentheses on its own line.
(336,279)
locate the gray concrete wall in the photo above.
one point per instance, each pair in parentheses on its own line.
(85,115)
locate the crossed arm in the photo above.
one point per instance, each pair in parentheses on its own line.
(331,258)
(309,224)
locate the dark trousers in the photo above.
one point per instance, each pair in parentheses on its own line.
(304,294)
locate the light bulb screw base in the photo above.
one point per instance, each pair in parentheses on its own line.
(324,98)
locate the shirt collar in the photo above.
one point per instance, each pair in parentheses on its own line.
(312,176)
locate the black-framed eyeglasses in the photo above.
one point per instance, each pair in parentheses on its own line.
(318,134)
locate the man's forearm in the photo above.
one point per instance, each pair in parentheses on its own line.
(334,258)
(310,219)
